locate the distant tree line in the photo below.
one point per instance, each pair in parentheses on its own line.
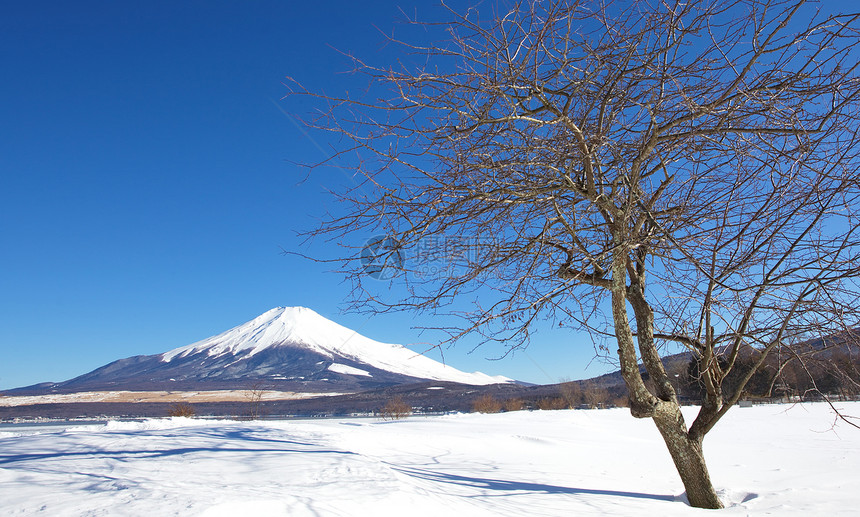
(835,374)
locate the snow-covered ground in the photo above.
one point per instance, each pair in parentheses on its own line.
(765,460)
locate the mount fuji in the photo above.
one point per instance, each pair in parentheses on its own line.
(286,348)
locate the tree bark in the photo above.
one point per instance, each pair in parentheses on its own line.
(687,454)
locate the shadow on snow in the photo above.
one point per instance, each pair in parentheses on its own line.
(519,486)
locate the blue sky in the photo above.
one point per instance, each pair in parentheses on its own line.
(148,181)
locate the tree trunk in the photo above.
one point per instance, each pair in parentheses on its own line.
(687,455)
(684,448)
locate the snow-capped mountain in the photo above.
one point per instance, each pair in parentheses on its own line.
(291,348)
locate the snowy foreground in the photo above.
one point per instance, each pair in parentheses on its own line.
(779,460)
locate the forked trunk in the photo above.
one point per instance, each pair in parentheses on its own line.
(686,452)
(688,457)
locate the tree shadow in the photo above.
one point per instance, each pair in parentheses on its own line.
(502,485)
(243,435)
(151,453)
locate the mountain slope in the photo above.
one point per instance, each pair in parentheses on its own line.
(288,348)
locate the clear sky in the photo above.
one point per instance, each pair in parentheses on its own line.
(148,181)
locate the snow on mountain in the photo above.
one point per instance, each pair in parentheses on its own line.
(302,328)
(348,370)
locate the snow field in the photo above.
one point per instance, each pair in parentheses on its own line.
(765,460)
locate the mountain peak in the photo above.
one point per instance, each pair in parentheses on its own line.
(288,313)
(294,325)
(278,312)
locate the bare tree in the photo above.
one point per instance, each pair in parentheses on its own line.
(595,396)
(514,404)
(183,409)
(487,404)
(661,173)
(254,397)
(571,393)
(395,409)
